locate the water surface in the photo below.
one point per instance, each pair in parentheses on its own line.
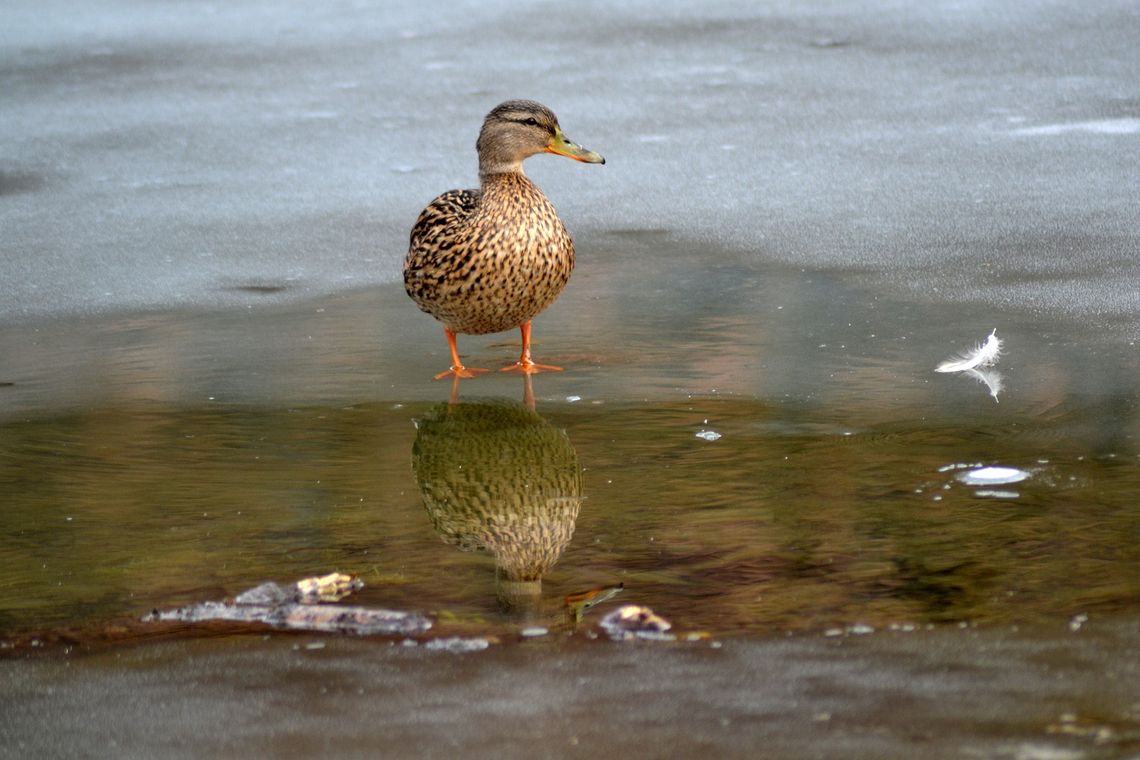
(748,450)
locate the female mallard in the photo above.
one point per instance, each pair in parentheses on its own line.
(487,260)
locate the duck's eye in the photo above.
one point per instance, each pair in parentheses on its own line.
(531,121)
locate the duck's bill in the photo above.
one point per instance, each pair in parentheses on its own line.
(560,146)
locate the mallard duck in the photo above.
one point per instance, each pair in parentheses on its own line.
(487,260)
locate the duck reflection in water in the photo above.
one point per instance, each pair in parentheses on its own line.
(497,477)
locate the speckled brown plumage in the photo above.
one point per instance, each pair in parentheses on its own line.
(484,261)
(487,260)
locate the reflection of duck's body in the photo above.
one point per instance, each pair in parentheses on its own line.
(497,477)
(488,260)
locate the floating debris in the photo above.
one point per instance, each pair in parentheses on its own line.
(361,621)
(267,594)
(635,622)
(709,435)
(328,588)
(976,363)
(299,607)
(992,476)
(985,354)
(582,602)
(534,632)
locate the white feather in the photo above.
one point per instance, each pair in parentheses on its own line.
(988,377)
(983,355)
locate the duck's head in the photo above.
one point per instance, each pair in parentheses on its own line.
(516,130)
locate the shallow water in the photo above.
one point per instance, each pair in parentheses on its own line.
(156,460)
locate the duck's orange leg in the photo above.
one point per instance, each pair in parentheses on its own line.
(457,369)
(525,364)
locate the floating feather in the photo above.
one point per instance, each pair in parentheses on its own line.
(983,355)
(988,377)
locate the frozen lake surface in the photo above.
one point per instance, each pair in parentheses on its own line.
(198,154)
(1039,695)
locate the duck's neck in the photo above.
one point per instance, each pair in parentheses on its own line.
(511,183)
(491,172)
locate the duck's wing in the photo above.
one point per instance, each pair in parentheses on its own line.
(440,221)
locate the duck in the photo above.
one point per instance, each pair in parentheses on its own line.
(491,259)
